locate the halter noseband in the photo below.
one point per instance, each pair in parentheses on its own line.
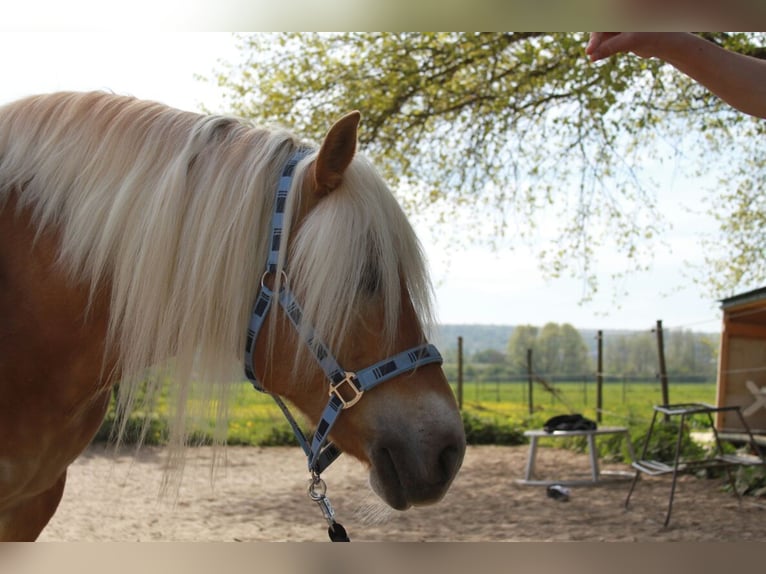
(346,388)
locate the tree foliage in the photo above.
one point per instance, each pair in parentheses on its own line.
(688,355)
(489,357)
(523,338)
(492,136)
(556,350)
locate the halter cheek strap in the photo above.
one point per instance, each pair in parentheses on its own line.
(346,388)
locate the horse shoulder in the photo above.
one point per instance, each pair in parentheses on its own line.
(53,395)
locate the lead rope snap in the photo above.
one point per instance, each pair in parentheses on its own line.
(317,490)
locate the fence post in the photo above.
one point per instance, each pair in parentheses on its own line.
(460,373)
(529,380)
(663,369)
(599,375)
(624,389)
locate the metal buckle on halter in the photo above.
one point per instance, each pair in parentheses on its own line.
(349,378)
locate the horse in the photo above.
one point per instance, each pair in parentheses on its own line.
(134,238)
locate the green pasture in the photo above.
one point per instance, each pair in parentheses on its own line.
(254,419)
(493,412)
(623,403)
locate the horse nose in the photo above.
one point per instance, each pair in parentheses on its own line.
(416,473)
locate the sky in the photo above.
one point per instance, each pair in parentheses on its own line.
(475,285)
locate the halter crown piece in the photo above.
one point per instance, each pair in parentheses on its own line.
(346,388)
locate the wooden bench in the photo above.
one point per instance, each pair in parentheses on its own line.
(596,477)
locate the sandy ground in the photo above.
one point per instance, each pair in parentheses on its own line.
(260,495)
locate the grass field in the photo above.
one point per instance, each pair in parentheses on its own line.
(499,412)
(623,404)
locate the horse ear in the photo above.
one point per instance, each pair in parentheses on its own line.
(336,153)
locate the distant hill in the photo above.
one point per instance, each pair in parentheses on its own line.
(475,337)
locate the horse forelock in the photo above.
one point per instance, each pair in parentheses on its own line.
(354,246)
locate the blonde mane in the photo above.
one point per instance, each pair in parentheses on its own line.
(170,210)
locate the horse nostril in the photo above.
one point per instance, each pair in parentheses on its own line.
(450,459)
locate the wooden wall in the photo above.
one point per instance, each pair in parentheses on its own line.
(742,358)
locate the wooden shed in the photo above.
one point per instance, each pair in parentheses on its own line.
(742,362)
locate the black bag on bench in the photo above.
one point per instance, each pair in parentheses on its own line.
(569,423)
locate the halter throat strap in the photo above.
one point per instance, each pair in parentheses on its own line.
(346,388)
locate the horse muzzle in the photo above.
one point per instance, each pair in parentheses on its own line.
(417,469)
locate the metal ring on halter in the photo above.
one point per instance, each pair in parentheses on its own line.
(263,279)
(317,488)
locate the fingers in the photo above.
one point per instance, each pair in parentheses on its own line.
(643,44)
(594,42)
(604,44)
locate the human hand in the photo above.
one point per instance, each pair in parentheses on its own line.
(604,44)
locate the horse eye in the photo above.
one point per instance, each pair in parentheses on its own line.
(370,280)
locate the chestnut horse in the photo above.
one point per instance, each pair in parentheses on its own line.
(134,237)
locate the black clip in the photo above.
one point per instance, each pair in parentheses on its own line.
(317,490)
(337,533)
